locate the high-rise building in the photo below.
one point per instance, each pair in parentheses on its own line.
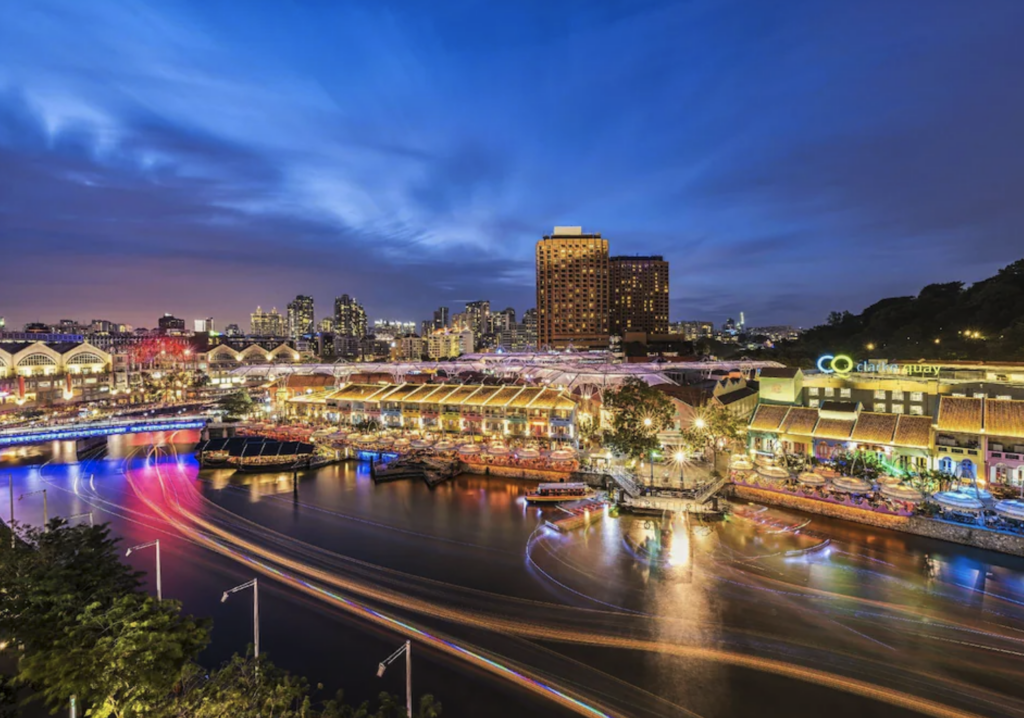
(267,324)
(638,295)
(300,316)
(460,321)
(203,326)
(170,324)
(349,317)
(232,330)
(504,320)
(441,318)
(326,325)
(693,330)
(445,343)
(478,316)
(572,290)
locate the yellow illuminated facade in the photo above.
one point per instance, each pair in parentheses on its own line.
(572,290)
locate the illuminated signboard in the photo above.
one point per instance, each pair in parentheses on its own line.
(843,364)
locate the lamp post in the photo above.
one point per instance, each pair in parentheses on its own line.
(10,481)
(647,424)
(82,515)
(46,513)
(405,648)
(159,585)
(254,585)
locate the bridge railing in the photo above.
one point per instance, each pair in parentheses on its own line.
(11,437)
(624,478)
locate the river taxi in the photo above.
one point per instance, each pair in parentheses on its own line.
(553,493)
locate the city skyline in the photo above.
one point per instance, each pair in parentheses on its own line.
(741,141)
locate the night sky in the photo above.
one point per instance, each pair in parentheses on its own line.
(788,158)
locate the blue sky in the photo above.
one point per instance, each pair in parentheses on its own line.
(788,158)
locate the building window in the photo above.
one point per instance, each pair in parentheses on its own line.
(829,391)
(1004,396)
(916,410)
(844,393)
(880,394)
(813,391)
(897,408)
(813,403)
(958,393)
(917,396)
(979,395)
(897,396)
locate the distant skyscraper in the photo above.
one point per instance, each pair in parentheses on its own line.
(441,318)
(572,289)
(504,320)
(638,295)
(349,317)
(300,316)
(478,315)
(267,324)
(203,326)
(232,330)
(326,325)
(170,324)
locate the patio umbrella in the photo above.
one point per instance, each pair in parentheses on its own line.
(810,478)
(902,493)
(958,501)
(1011,509)
(851,485)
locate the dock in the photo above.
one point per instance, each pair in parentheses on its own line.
(582,514)
(432,470)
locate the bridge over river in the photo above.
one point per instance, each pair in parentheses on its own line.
(85,430)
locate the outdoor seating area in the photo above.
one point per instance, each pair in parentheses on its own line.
(963,504)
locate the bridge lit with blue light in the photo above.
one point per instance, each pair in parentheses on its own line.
(17,437)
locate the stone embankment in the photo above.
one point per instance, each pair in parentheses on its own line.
(964,534)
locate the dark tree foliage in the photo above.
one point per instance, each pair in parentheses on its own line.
(984,321)
(638,412)
(75,618)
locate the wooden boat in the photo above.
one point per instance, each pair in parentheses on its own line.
(565,491)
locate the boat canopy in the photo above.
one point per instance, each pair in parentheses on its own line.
(567,485)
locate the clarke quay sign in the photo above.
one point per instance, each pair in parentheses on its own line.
(842,364)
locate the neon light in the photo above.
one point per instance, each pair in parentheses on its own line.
(82,432)
(835,364)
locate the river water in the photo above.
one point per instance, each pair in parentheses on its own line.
(769,611)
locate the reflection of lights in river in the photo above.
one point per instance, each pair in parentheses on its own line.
(719,564)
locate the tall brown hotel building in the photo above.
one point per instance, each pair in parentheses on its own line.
(638,295)
(572,290)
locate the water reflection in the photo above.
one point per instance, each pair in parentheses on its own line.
(816,592)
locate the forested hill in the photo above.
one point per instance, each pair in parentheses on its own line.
(983,321)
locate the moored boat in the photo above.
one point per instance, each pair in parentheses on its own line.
(565,491)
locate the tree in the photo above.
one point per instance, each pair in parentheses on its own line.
(243,686)
(714,428)
(121,661)
(367,426)
(638,412)
(237,405)
(588,430)
(50,577)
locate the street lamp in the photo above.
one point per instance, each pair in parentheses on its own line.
(46,513)
(81,516)
(10,481)
(405,648)
(699,423)
(255,609)
(159,586)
